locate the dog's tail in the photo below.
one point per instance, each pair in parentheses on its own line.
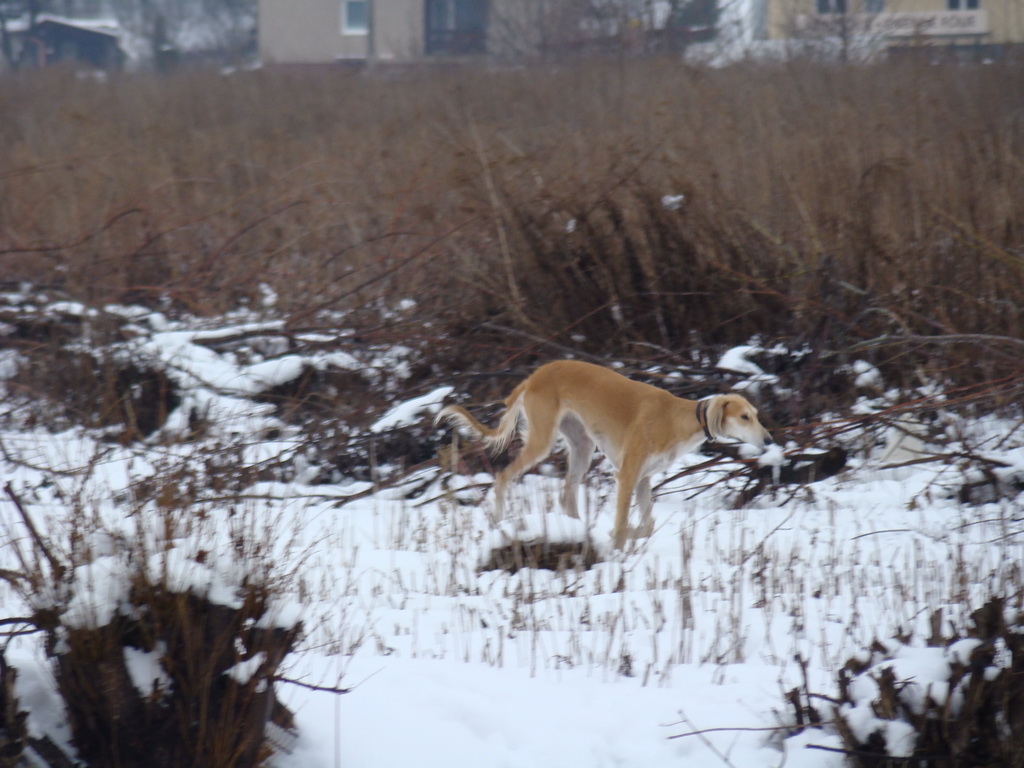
(496,439)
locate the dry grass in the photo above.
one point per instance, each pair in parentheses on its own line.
(859,210)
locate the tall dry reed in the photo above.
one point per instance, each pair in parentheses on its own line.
(613,207)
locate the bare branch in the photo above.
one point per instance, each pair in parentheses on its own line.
(311,687)
(55,564)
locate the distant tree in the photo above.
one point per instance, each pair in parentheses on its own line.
(698,19)
(846,27)
(572,27)
(5,42)
(226,27)
(11,10)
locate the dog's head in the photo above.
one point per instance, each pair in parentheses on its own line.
(732,416)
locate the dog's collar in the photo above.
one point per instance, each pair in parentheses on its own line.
(702,419)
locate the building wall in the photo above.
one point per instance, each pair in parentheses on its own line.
(310,31)
(398,30)
(999,21)
(306,32)
(1007,21)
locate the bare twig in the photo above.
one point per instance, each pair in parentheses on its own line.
(389,483)
(55,564)
(691,470)
(12,459)
(547,342)
(701,734)
(726,729)
(311,686)
(13,577)
(949,338)
(51,247)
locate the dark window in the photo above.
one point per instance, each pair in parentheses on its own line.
(831,6)
(456,27)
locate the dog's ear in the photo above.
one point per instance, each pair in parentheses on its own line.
(715,414)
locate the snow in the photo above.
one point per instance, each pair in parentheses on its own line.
(737,360)
(243,671)
(799,750)
(405,414)
(697,628)
(444,714)
(180,571)
(109,26)
(553,529)
(773,456)
(900,738)
(98,591)
(8,361)
(867,375)
(672,202)
(146,671)
(273,373)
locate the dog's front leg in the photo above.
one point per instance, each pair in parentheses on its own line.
(626,478)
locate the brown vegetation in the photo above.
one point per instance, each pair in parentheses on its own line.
(875,211)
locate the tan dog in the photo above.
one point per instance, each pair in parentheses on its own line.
(640,428)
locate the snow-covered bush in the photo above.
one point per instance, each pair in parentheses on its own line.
(173,677)
(164,620)
(954,702)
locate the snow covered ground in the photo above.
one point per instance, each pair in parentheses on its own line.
(703,627)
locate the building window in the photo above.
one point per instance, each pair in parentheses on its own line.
(874,6)
(831,6)
(456,27)
(355,17)
(963,5)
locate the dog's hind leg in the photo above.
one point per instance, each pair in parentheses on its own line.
(644,502)
(579,451)
(541,419)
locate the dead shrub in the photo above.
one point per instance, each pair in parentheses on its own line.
(541,553)
(622,209)
(69,359)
